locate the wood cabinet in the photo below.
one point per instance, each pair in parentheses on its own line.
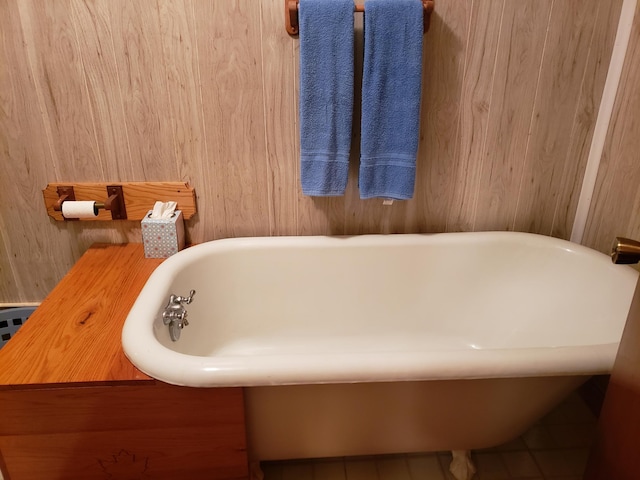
(73,407)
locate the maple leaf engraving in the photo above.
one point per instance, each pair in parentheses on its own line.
(125,466)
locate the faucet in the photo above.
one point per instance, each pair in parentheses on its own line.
(175,315)
(625,251)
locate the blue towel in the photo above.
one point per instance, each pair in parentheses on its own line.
(326,95)
(391,86)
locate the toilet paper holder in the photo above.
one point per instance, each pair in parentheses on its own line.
(114,202)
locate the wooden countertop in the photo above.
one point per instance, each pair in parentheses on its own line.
(73,337)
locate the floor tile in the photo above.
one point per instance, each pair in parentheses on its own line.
(539,437)
(490,466)
(360,469)
(564,462)
(572,434)
(425,467)
(329,470)
(521,465)
(393,468)
(297,471)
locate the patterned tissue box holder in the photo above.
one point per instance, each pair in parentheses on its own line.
(162,237)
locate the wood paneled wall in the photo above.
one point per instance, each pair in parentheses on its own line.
(615,208)
(206,92)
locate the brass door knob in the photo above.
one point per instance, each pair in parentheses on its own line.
(625,251)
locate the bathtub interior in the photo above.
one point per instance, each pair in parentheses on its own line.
(339,296)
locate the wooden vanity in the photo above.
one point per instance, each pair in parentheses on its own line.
(73,407)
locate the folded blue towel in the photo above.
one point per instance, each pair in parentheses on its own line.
(326,94)
(391,86)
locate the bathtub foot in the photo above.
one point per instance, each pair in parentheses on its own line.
(255,472)
(462,467)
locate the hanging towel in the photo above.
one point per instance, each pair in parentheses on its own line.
(326,94)
(391,85)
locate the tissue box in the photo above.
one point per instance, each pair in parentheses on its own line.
(162,237)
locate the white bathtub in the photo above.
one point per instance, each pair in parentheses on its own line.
(385,343)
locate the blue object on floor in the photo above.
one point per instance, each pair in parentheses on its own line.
(11,320)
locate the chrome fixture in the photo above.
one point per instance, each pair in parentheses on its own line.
(625,251)
(175,315)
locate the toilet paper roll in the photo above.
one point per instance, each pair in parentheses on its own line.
(81,209)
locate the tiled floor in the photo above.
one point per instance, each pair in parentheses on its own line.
(555,448)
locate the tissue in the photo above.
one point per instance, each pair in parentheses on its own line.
(163,230)
(163,209)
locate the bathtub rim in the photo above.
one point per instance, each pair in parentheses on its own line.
(146,352)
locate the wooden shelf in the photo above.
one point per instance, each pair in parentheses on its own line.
(139,197)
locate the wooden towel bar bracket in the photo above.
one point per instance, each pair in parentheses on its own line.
(291,14)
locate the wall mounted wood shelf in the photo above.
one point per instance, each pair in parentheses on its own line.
(139,197)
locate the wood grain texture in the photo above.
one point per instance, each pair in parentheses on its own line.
(151,430)
(233,102)
(180,51)
(81,319)
(569,38)
(142,79)
(443,70)
(278,70)
(32,263)
(206,93)
(615,209)
(92,27)
(139,197)
(520,50)
(585,118)
(476,92)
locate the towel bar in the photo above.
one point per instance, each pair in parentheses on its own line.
(291,14)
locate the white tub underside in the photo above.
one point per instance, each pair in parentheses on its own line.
(312,421)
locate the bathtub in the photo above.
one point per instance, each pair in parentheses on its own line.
(385,343)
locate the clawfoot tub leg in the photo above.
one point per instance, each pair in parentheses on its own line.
(255,472)
(461,466)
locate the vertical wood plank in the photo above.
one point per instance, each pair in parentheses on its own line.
(95,47)
(230,61)
(474,111)
(445,50)
(615,208)
(569,38)
(137,43)
(59,76)
(92,29)
(585,118)
(34,252)
(282,144)
(522,39)
(179,46)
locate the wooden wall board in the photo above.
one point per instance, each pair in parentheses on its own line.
(615,208)
(207,93)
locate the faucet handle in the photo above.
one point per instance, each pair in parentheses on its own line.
(189,299)
(176,299)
